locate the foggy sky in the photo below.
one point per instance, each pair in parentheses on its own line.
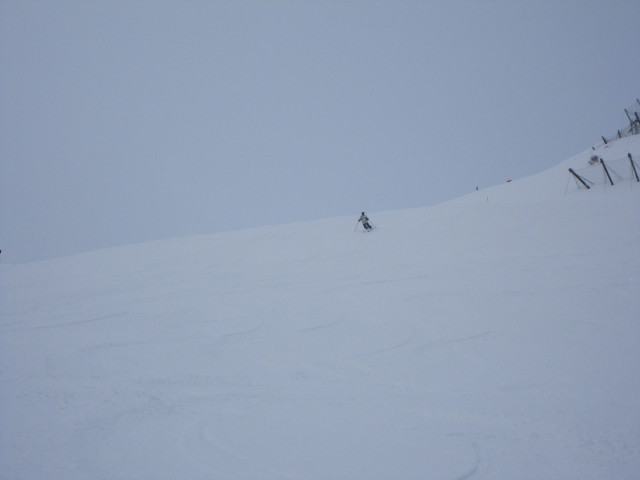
(129,121)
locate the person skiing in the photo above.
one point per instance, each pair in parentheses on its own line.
(365,222)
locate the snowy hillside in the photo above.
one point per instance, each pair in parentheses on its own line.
(496,336)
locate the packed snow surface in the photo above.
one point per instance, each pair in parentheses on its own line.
(496,336)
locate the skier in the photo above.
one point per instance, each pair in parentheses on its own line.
(365,222)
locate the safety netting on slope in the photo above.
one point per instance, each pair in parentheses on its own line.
(609,172)
(633,128)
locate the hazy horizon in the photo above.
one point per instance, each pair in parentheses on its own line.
(124,122)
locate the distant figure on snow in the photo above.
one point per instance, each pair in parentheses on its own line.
(365,221)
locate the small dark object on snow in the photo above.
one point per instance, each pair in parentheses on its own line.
(365,222)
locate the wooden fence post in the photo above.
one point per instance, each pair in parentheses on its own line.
(633,167)
(579,178)
(606,170)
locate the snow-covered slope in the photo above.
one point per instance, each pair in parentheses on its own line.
(494,336)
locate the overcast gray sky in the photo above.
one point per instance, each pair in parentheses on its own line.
(129,121)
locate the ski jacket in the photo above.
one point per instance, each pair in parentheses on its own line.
(363,218)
